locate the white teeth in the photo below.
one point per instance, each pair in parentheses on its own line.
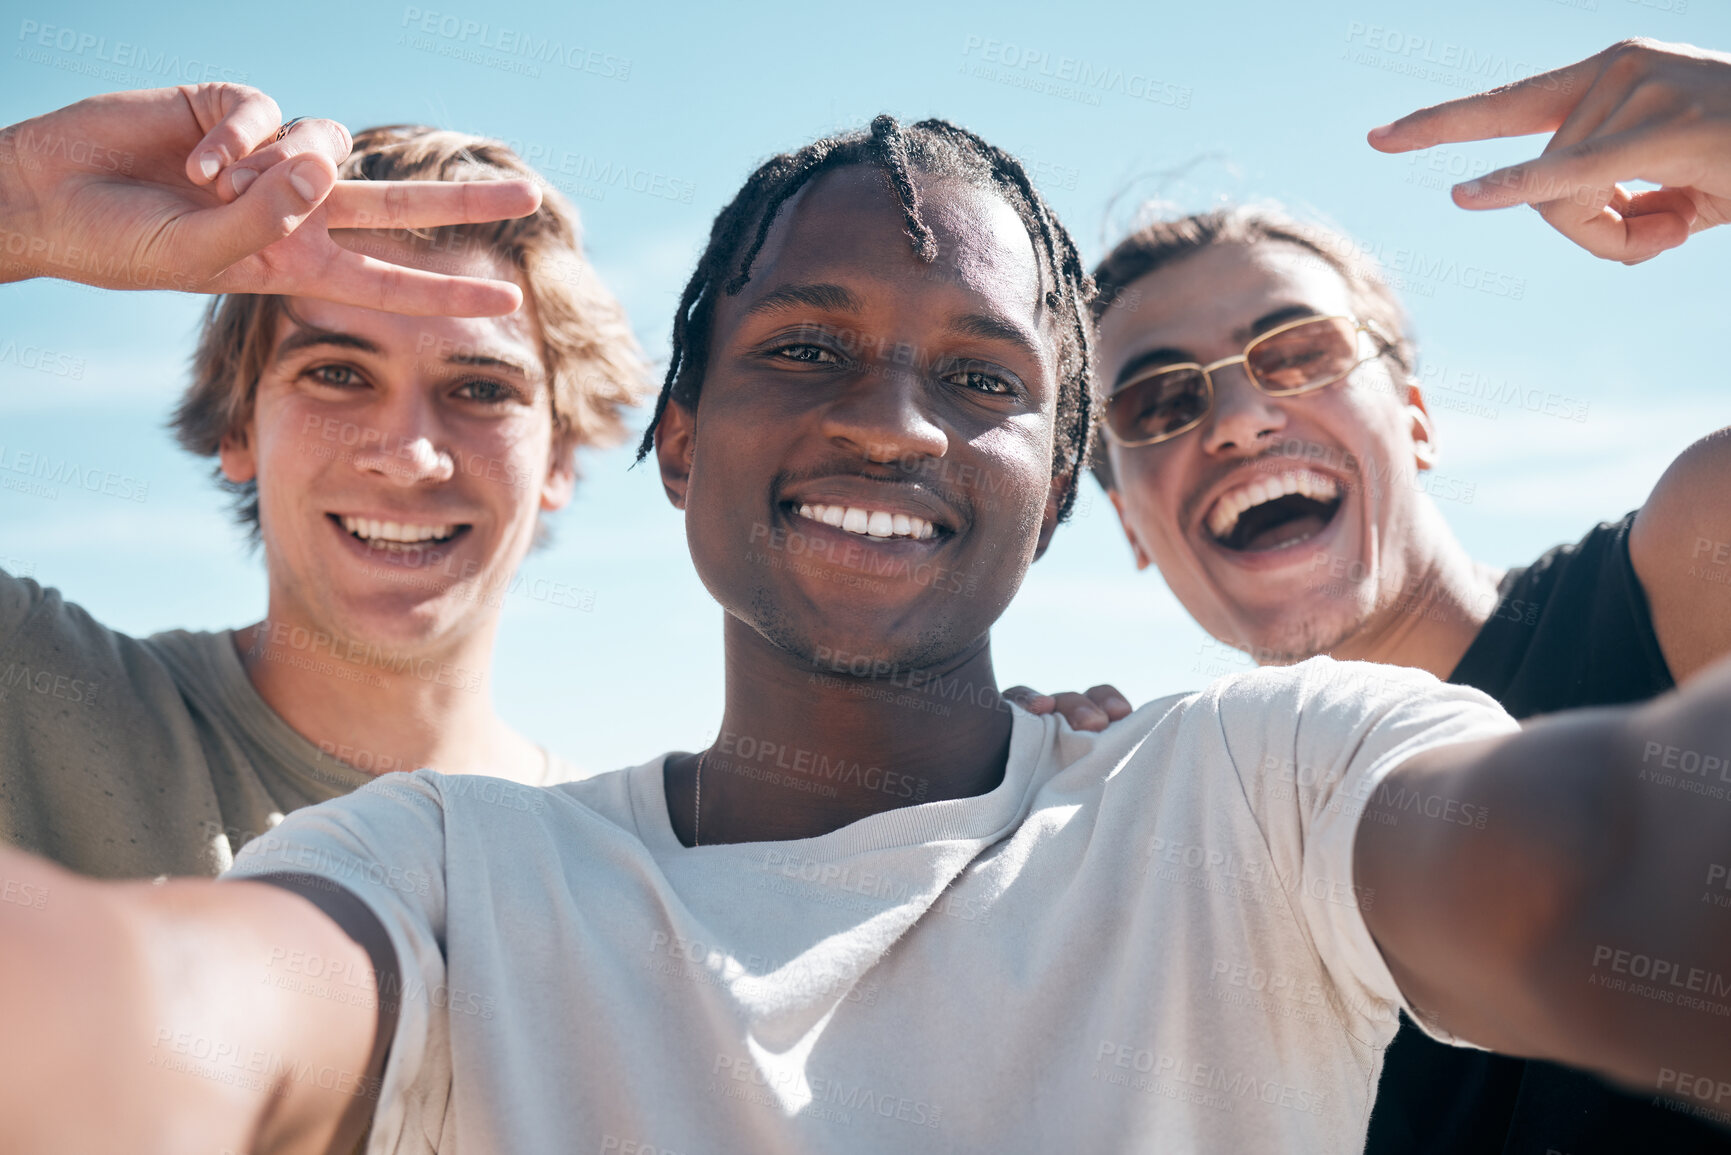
(869,522)
(392,533)
(1230,506)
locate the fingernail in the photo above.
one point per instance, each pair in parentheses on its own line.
(210,163)
(1471,188)
(309,180)
(241,178)
(1381,131)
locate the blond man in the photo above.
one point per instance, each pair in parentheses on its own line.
(394,392)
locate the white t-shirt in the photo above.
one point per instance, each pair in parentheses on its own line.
(1142,940)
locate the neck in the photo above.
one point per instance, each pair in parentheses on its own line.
(381,708)
(1442,602)
(807,747)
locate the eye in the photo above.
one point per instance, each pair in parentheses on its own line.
(487,392)
(336,376)
(805,353)
(981,380)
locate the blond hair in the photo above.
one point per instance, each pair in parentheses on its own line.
(594,365)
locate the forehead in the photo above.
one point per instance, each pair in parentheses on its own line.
(847,227)
(1217,295)
(397,332)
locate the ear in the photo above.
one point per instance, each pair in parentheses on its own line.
(1143,561)
(1049,517)
(234,454)
(561,480)
(1424,443)
(675,447)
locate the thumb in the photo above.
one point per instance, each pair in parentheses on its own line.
(1030,699)
(273,205)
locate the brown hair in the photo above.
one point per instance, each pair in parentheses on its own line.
(594,365)
(1156,245)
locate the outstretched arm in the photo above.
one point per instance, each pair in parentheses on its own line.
(1586,923)
(1640,110)
(153,1018)
(186,188)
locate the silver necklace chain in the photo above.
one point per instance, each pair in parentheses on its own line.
(697,803)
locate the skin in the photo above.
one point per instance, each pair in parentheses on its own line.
(812,404)
(187,188)
(430,421)
(1386,577)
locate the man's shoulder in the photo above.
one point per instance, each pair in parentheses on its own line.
(1318,703)
(1322,683)
(613,797)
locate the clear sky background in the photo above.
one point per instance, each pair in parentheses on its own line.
(649,116)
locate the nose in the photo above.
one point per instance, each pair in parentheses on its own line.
(405,449)
(884,417)
(1243,417)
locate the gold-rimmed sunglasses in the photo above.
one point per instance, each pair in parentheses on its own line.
(1298,357)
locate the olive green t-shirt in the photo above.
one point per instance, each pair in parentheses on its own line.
(126,757)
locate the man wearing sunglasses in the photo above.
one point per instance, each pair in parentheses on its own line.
(1265,445)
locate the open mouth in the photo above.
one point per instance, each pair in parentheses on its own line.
(396,536)
(1274,512)
(866,522)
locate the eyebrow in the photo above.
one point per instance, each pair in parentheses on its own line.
(1169,355)
(837,299)
(786,298)
(991,328)
(308,337)
(490,361)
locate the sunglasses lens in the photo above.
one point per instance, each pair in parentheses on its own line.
(1305,356)
(1158,405)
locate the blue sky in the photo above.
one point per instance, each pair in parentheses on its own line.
(1235,100)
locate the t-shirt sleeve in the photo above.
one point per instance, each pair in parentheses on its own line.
(385,844)
(1313,745)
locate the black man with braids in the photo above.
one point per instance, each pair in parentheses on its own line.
(885,911)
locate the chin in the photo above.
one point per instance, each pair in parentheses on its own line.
(1293,639)
(388,620)
(857,649)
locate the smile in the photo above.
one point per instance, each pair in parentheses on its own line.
(869,522)
(1274,512)
(396,535)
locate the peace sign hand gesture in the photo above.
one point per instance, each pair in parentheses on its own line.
(1640,110)
(187,188)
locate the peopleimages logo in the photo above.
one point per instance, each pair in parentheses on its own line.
(465,33)
(90,49)
(1070,77)
(64,471)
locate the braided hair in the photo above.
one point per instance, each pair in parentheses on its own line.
(933,147)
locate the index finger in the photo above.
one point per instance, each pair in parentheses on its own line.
(353,279)
(235,118)
(425,204)
(1537,104)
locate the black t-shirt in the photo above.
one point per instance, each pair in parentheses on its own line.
(1570,630)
